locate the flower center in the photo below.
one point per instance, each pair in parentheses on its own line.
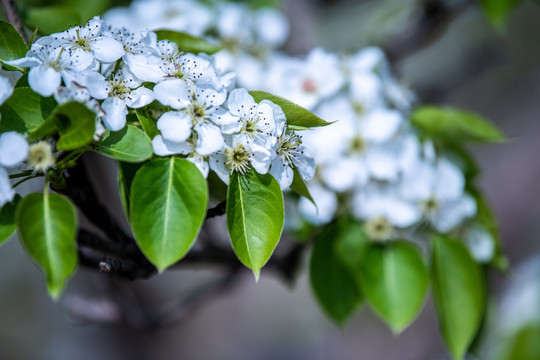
(237,158)
(40,156)
(430,205)
(119,88)
(357,144)
(378,229)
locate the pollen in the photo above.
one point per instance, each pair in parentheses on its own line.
(40,156)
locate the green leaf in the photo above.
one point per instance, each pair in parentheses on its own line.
(395,279)
(12,45)
(167,209)
(298,118)
(7,218)
(299,186)
(333,283)
(522,345)
(498,10)
(25,111)
(73,121)
(255,217)
(188,43)
(459,293)
(47,227)
(129,144)
(149,125)
(126,173)
(52,19)
(455,125)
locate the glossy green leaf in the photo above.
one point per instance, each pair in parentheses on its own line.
(455,125)
(167,208)
(333,283)
(12,45)
(73,121)
(188,43)
(521,345)
(25,111)
(52,19)
(47,227)
(497,10)
(129,145)
(395,280)
(299,186)
(7,218)
(298,118)
(459,292)
(149,125)
(255,217)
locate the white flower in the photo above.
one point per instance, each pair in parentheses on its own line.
(6,89)
(480,243)
(164,147)
(90,43)
(13,151)
(326,201)
(438,190)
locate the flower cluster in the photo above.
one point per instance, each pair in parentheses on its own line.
(200,114)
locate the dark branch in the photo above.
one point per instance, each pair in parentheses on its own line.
(12,16)
(217,210)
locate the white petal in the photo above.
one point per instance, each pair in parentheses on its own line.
(450,180)
(29,61)
(200,163)
(453,212)
(93,81)
(139,97)
(382,163)
(481,244)
(217,163)
(326,205)
(240,102)
(209,139)
(44,80)
(305,165)
(282,172)
(381,124)
(260,159)
(106,49)
(115,113)
(144,67)
(163,147)
(6,89)
(6,192)
(13,149)
(174,93)
(175,126)
(344,174)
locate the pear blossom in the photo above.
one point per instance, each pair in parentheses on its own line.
(13,151)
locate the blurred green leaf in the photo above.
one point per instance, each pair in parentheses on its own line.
(255,217)
(52,19)
(129,145)
(7,218)
(459,292)
(298,118)
(333,283)
(522,345)
(455,125)
(187,42)
(25,111)
(12,45)
(497,10)
(395,279)
(167,208)
(47,226)
(126,173)
(73,121)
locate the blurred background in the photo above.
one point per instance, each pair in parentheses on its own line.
(448,52)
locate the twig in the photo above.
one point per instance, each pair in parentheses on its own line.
(12,15)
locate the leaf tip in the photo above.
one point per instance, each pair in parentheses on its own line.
(257,274)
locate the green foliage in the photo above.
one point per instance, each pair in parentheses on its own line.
(149,126)
(52,19)
(25,111)
(459,292)
(394,280)
(47,227)
(126,173)
(188,43)
(167,208)
(497,10)
(523,345)
(7,218)
(129,145)
(454,125)
(299,186)
(298,118)
(73,121)
(12,45)
(255,217)
(334,284)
